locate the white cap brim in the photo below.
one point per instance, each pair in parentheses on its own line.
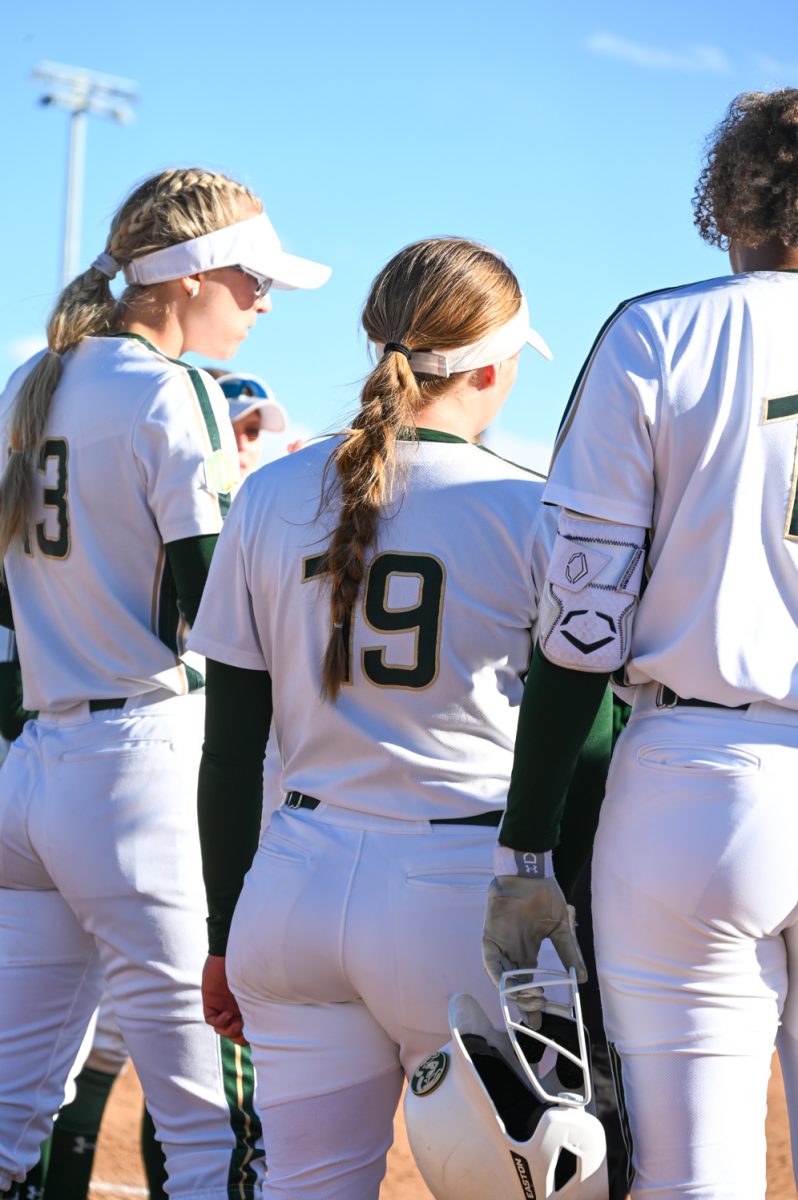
(534,340)
(250,243)
(273,417)
(288,272)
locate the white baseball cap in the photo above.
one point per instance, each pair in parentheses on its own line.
(246,393)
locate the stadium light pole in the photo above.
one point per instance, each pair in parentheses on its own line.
(81,92)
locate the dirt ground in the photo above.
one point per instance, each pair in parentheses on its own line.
(118,1173)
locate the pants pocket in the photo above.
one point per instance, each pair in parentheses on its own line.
(696,760)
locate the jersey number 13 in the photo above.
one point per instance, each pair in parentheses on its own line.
(52,534)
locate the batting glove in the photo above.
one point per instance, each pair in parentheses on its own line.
(526,906)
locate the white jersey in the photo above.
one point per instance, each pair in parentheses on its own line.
(441,638)
(138,452)
(684,421)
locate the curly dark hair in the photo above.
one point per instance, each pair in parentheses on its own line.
(748,189)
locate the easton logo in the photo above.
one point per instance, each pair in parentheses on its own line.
(429,1074)
(524,1174)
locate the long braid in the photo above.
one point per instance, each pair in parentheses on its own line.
(441,293)
(364,462)
(174,206)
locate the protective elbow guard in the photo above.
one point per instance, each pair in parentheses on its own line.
(590,596)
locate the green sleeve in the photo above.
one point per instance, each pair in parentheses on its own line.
(621,712)
(13,714)
(190,560)
(237,718)
(6,615)
(584,799)
(558,710)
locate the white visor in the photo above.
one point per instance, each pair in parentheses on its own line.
(252,243)
(495,347)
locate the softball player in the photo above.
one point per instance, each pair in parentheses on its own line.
(679,447)
(375,596)
(67,1162)
(121,462)
(253,411)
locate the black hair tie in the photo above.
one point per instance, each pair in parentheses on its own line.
(399,347)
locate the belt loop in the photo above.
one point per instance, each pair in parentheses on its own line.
(666,697)
(293,800)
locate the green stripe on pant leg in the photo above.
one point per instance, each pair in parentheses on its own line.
(616,1066)
(239,1088)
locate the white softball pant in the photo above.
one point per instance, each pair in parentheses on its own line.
(695,903)
(100,874)
(350,936)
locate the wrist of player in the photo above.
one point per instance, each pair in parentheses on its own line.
(525,908)
(526,864)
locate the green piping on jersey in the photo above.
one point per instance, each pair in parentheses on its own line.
(429,435)
(239,1089)
(509,461)
(203,399)
(438,435)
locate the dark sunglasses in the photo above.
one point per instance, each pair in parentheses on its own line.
(262,282)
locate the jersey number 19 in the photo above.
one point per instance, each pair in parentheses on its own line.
(423,619)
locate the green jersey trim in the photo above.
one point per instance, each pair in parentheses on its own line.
(430,435)
(203,399)
(439,435)
(509,461)
(576,391)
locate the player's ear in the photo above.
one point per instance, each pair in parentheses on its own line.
(190,285)
(485,377)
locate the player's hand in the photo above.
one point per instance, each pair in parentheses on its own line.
(219,1005)
(521,914)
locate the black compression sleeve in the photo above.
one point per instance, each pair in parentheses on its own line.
(558,709)
(190,560)
(237,718)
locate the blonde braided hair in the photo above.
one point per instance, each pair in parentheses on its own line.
(173,206)
(440,293)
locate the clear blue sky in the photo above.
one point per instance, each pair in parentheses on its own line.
(569,137)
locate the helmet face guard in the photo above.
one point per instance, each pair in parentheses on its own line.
(502,1113)
(562,1031)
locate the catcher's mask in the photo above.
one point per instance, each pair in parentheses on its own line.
(502,1114)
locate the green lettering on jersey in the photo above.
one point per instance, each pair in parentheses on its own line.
(423,619)
(55,545)
(316,567)
(785,408)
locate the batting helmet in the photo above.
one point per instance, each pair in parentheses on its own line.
(503,1113)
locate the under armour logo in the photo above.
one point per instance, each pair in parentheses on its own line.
(82,1145)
